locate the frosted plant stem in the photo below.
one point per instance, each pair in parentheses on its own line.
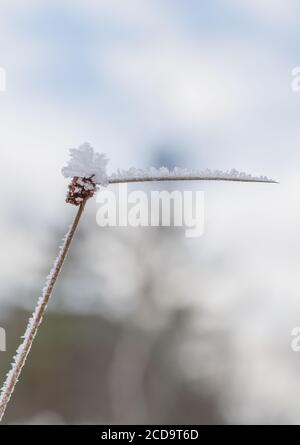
(174,177)
(36,319)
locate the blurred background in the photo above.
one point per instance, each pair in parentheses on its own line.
(145,325)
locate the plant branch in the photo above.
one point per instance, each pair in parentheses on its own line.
(37,316)
(187,178)
(125,177)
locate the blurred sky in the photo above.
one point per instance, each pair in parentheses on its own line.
(211,80)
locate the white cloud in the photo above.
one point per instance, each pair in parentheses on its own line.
(277,12)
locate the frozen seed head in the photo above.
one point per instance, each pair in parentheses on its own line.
(80,190)
(88,169)
(84,162)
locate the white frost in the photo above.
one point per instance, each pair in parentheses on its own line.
(85,162)
(31,330)
(163,173)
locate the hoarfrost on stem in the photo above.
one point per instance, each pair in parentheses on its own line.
(31,330)
(36,318)
(177,174)
(85,163)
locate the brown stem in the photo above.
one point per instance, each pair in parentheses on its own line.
(36,319)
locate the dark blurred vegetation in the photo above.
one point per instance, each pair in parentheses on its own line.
(77,370)
(112,346)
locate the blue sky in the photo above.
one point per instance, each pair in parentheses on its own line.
(212,74)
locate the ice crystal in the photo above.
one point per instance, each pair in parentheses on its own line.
(86,163)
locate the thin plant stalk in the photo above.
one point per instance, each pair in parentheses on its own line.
(187,178)
(36,319)
(37,316)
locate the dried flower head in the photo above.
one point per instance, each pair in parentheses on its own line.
(80,190)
